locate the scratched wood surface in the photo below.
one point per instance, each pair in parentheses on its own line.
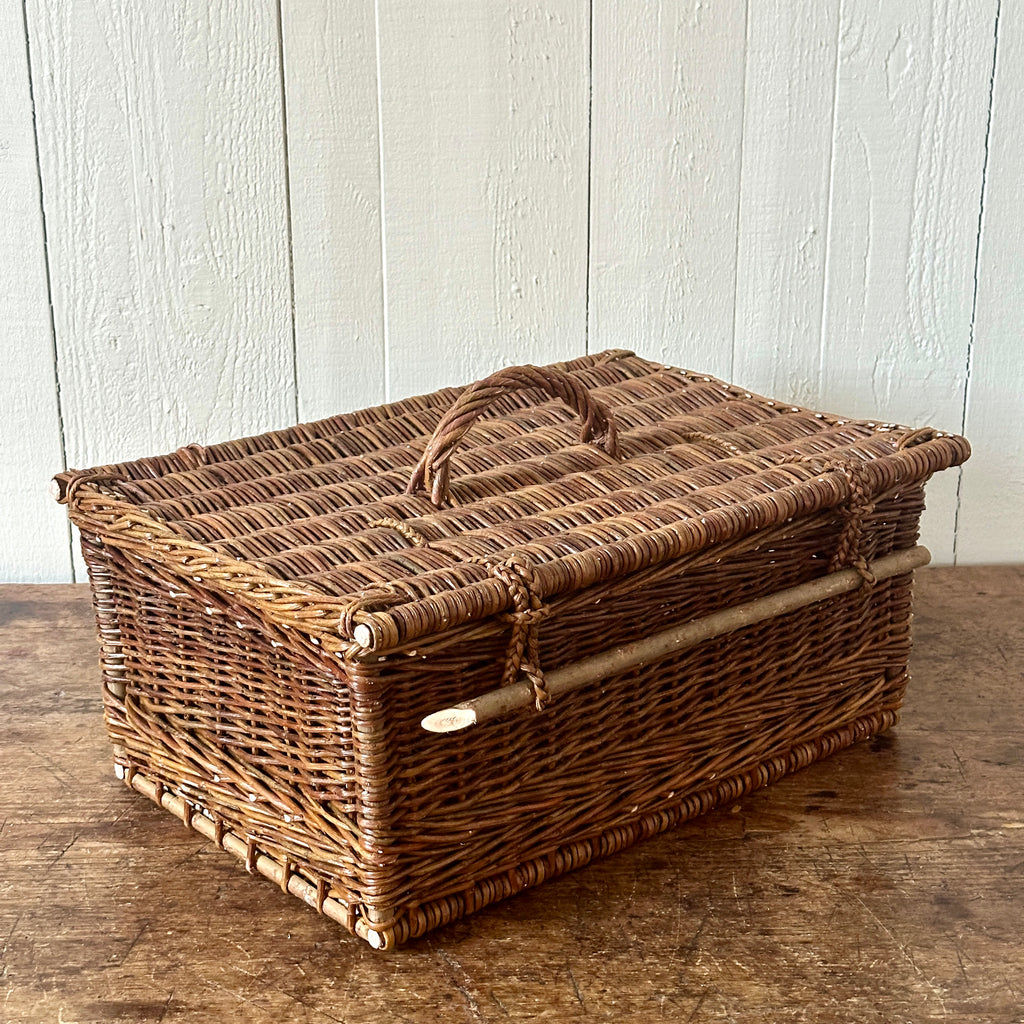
(886,884)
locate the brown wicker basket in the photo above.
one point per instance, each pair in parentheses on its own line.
(402,706)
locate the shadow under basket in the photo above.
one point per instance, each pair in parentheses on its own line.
(410,660)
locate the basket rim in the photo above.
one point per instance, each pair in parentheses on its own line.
(371,620)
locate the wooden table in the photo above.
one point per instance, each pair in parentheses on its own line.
(884,885)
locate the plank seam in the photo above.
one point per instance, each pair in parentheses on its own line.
(739,187)
(590,175)
(977,263)
(46,269)
(385,319)
(288,205)
(828,199)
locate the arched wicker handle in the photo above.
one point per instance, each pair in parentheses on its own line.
(434,468)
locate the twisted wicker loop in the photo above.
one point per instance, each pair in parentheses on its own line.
(434,468)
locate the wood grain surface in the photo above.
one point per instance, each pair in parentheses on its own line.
(160,131)
(784,202)
(885,884)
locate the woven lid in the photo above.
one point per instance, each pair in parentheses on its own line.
(572,473)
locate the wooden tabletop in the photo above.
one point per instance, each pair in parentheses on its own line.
(883,885)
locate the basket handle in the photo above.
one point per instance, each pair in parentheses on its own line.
(434,468)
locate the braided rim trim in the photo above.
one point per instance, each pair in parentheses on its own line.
(859,504)
(523,655)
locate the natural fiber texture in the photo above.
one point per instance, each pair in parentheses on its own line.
(277,614)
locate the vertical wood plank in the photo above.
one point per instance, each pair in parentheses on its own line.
(334,172)
(485,142)
(787,148)
(667,131)
(990,528)
(911,110)
(34,542)
(162,158)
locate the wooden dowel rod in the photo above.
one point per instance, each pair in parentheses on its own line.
(640,652)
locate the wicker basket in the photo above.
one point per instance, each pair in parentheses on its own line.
(402,706)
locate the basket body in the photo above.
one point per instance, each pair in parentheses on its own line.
(276,618)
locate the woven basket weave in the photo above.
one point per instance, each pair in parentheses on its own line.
(642,592)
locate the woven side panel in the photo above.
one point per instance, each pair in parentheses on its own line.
(476,805)
(420,919)
(639,744)
(246,722)
(108,630)
(333,776)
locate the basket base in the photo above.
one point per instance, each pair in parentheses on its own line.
(307,886)
(313,890)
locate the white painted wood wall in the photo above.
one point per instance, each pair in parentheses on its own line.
(222,216)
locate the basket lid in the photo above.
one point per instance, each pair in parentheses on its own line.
(570,473)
